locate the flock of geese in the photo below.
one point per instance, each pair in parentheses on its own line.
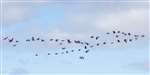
(86,47)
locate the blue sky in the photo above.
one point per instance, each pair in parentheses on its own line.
(76,20)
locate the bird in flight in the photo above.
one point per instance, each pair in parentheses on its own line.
(82,46)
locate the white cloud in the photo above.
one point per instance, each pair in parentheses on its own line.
(83,22)
(13,15)
(15,12)
(130,20)
(134,20)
